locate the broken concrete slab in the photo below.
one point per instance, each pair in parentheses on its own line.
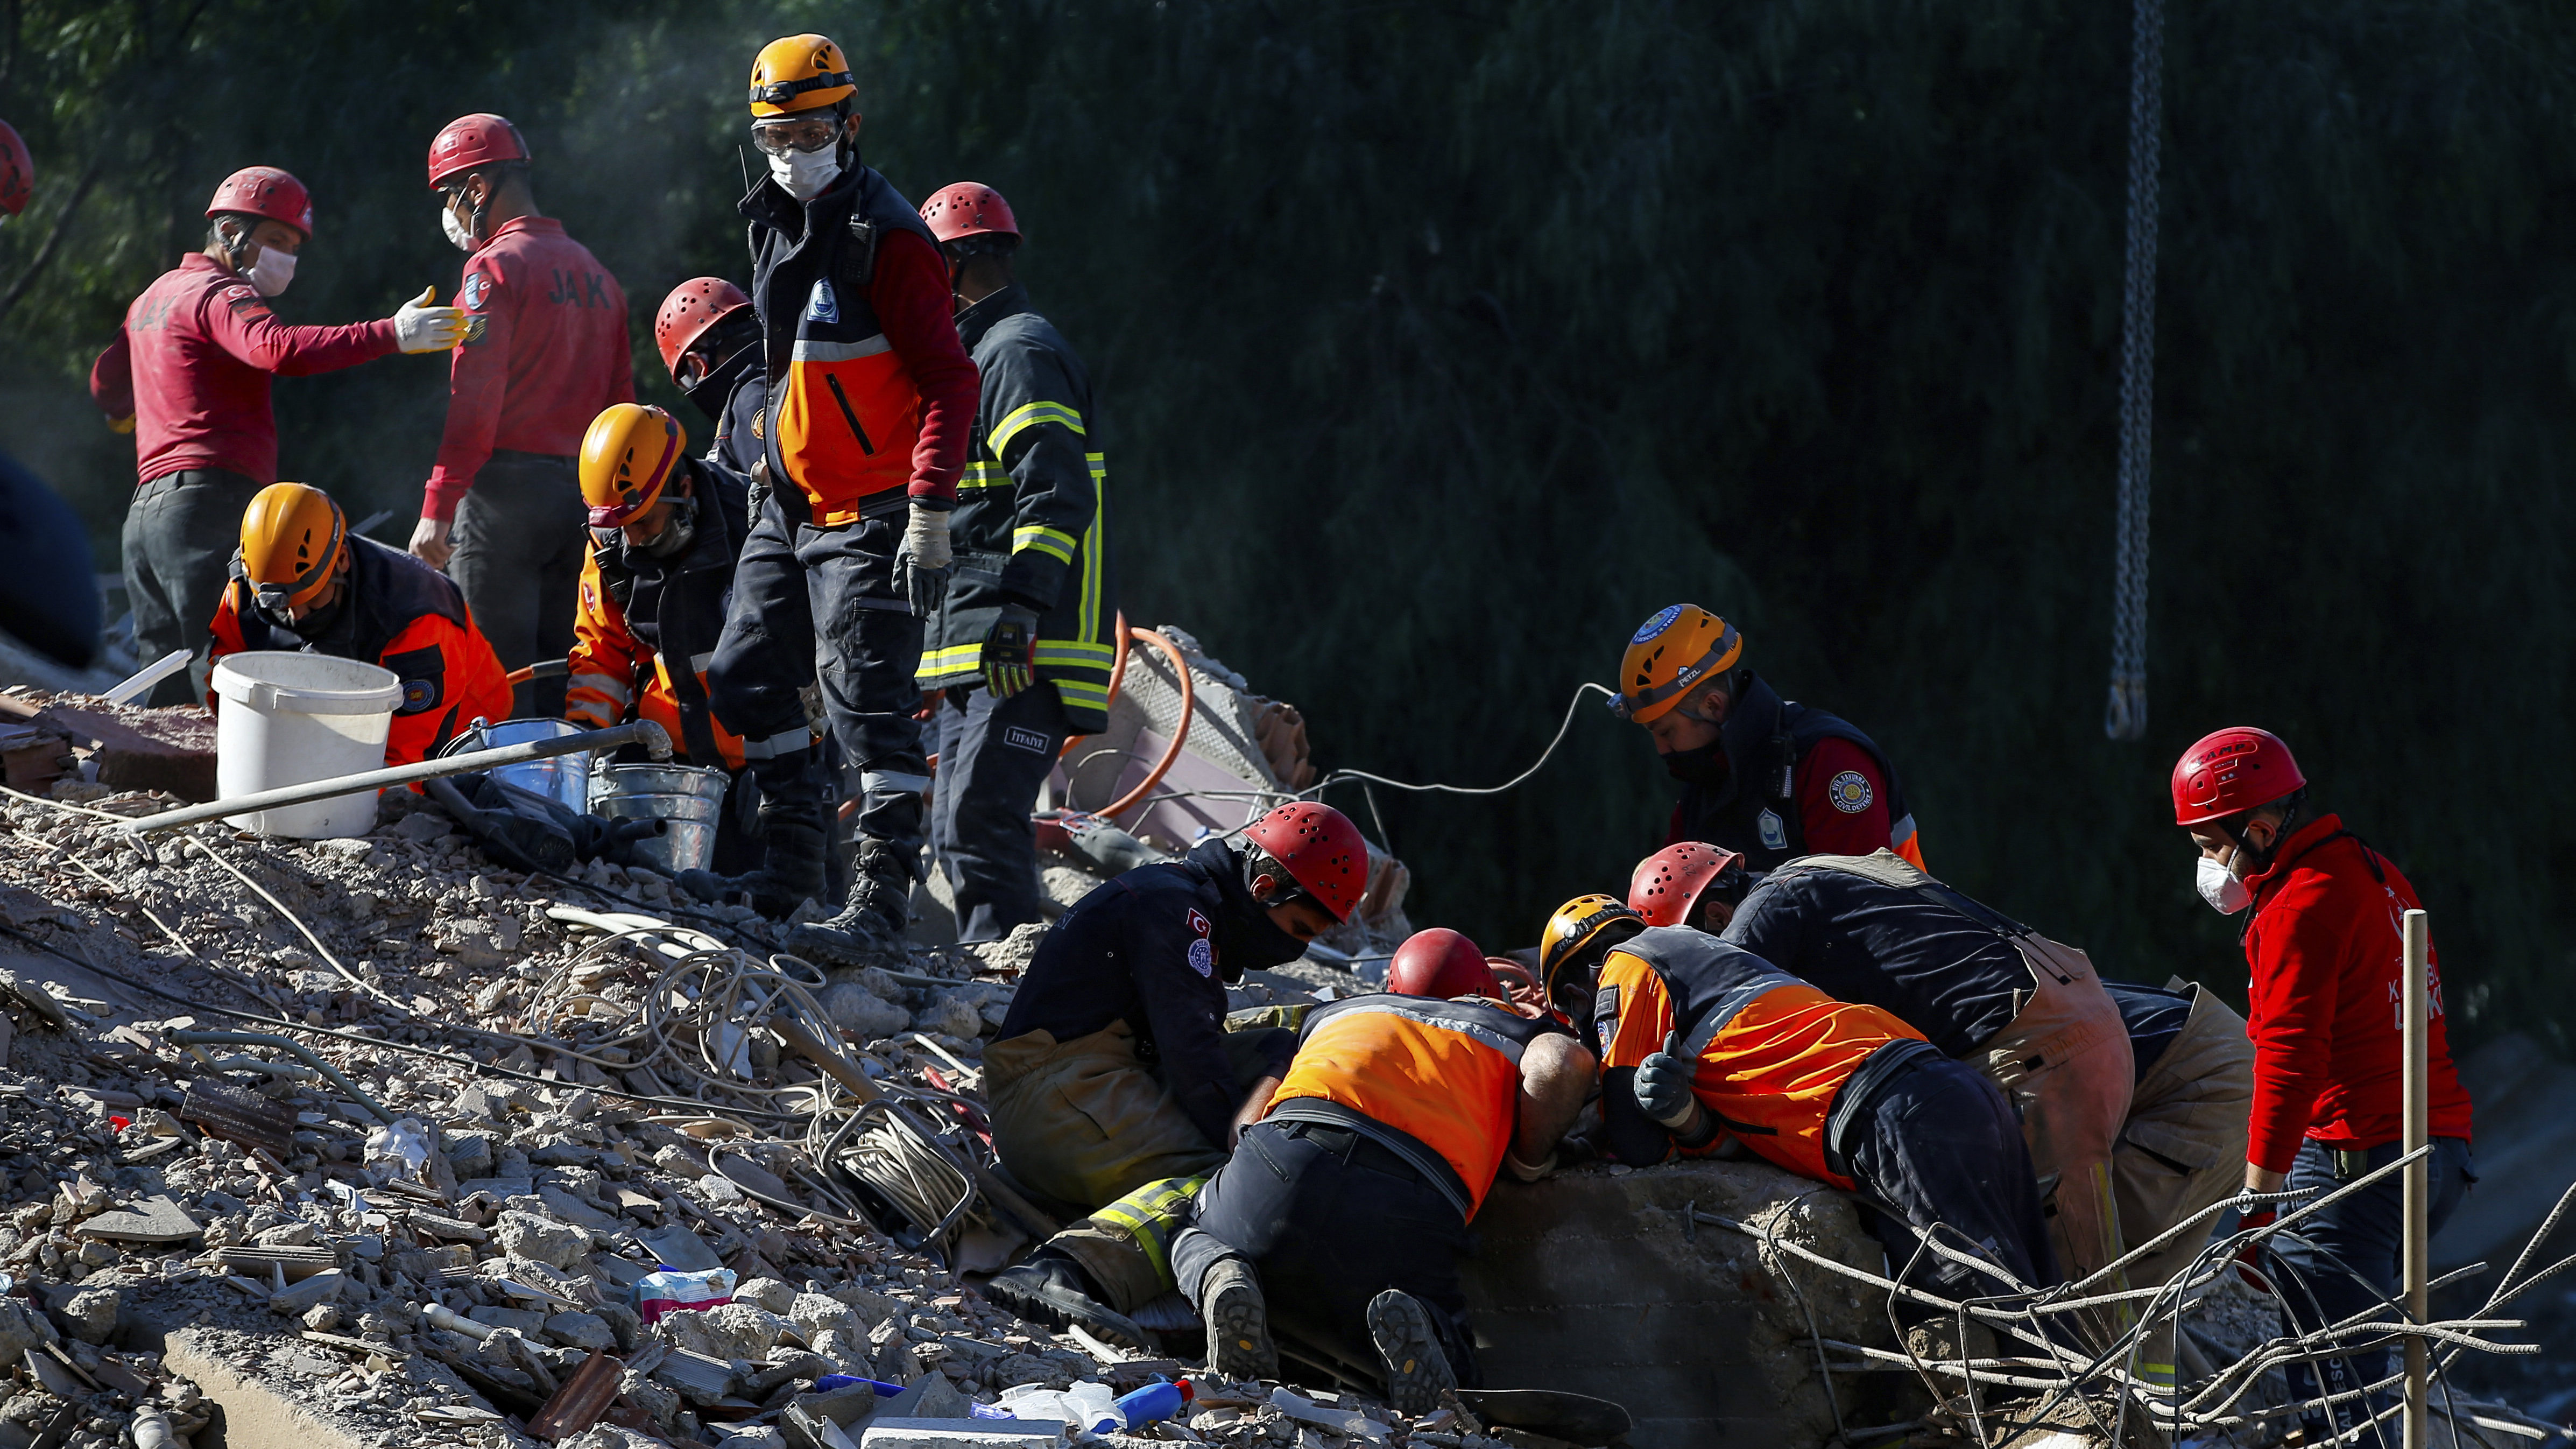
(155,1219)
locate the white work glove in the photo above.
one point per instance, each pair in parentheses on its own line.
(420,327)
(921,564)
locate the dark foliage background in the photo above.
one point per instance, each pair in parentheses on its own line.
(1439,345)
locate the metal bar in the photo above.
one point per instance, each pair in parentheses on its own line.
(284,1044)
(2419,1177)
(638,732)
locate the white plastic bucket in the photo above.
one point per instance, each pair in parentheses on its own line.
(292,719)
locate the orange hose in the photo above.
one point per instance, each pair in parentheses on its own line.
(1172,751)
(1117,676)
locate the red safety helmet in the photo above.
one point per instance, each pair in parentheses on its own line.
(1322,851)
(17,171)
(265,191)
(693,306)
(481,139)
(2230,772)
(1668,884)
(969,208)
(1441,963)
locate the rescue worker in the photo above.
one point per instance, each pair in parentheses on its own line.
(709,337)
(302,581)
(1020,650)
(188,375)
(545,350)
(664,530)
(1342,1215)
(1767,778)
(17,172)
(1119,1259)
(870,397)
(2325,951)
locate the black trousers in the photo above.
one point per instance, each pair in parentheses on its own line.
(520,535)
(1939,1144)
(180,533)
(1330,1219)
(993,755)
(827,594)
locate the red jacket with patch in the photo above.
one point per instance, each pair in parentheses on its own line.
(545,352)
(191,366)
(2324,948)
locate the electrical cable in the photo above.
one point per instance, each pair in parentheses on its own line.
(1338,776)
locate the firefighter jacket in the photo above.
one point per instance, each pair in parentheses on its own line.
(639,615)
(1155,948)
(400,613)
(1436,1082)
(1776,786)
(1774,1053)
(870,392)
(1031,523)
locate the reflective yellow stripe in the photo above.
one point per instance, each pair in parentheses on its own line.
(1087,612)
(984,475)
(942,667)
(1076,653)
(1088,696)
(1029,416)
(1152,1215)
(608,685)
(1053,542)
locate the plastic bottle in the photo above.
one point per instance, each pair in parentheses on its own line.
(1156,1401)
(1095,1406)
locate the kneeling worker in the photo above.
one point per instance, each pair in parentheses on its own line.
(664,531)
(302,581)
(1767,778)
(1700,1039)
(1343,1214)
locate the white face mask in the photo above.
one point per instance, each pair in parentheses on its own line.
(457,235)
(804,174)
(272,271)
(2219,886)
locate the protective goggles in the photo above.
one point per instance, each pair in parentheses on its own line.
(813,133)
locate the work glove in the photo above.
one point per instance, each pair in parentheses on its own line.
(921,563)
(421,327)
(1011,651)
(1663,1088)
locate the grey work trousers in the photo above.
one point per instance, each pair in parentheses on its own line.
(521,532)
(180,534)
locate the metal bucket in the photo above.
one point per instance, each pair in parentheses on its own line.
(686,798)
(565,779)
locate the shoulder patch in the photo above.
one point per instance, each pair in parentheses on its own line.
(1605,1016)
(1775,836)
(420,695)
(1203,957)
(823,306)
(1199,923)
(1850,792)
(477,289)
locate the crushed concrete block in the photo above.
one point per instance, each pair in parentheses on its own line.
(155,1219)
(525,1320)
(290,1235)
(813,1314)
(469,1155)
(581,1330)
(543,1240)
(22,1328)
(862,1012)
(169,749)
(768,1293)
(322,1287)
(949,1014)
(91,1314)
(1595,1282)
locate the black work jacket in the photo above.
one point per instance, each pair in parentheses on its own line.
(1927,957)
(1755,813)
(676,606)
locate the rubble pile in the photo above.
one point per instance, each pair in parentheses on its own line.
(439,1228)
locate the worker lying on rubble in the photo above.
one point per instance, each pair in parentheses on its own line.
(664,530)
(1113,1263)
(1767,778)
(1701,1040)
(1876,931)
(302,581)
(2325,952)
(710,342)
(1341,1218)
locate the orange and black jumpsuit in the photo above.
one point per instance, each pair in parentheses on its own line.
(647,628)
(400,613)
(1376,1153)
(1847,1095)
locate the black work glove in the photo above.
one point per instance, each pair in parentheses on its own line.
(1011,651)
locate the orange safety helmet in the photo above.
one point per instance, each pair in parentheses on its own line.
(626,459)
(1680,647)
(1669,883)
(968,208)
(799,73)
(264,191)
(1320,849)
(17,170)
(1441,963)
(1578,926)
(291,539)
(693,306)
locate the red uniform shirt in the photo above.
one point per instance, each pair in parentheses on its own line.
(191,366)
(545,352)
(2324,949)
(915,307)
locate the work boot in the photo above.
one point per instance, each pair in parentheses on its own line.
(1238,1322)
(1417,1372)
(1053,1290)
(869,929)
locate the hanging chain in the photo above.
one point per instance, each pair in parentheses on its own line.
(2126,718)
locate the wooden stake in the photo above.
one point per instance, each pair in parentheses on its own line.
(2419,1176)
